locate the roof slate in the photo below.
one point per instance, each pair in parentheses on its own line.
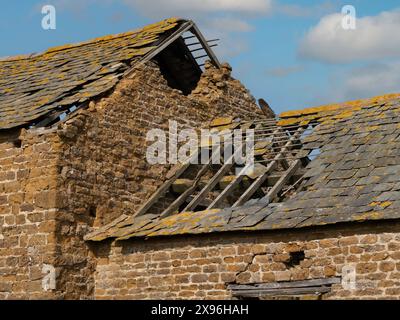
(32,86)
(355,177)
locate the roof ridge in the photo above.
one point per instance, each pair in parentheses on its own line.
(335,106)
(78,72)
(90,41)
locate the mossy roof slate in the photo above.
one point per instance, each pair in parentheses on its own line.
(31,86)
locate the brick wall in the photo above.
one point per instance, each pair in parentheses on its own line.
(200,267)
(104,170)
(89,170)
(104,157)
(28,198)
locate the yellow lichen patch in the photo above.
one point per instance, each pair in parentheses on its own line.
(225,181)
(288,122)
(304,122)
(86,95)
(385,204)
(63,47)
(260,152)
(221,122)
(308,111)
(228,127)
(344,115)
(290,114)
(18,57)
(331,111)
(142,36)
(44,100)
(365,216)
(327,121)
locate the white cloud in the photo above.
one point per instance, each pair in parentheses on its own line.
(230,25)
(374,79)
(78,7)
(223,19)
(375,37)
(161,8)
(230,32)
(361,82)
(296,10)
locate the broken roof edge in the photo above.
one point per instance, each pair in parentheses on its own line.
(107,233)
(27,56)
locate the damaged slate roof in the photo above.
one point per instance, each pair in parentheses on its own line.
(355,177)
(31,86)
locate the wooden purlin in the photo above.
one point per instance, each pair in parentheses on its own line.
(288,288)
(271,195)
(213,181)
(260,292)
(194,200)
(205,45)
(278,144)
(165,186)
(227,191)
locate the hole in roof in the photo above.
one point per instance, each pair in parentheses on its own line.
(178,67)
(314,153)
(280,161)
(306,132)
(63,116)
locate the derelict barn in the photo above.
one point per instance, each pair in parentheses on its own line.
(83,215)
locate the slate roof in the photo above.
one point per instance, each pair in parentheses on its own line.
(31,86)
(354,178)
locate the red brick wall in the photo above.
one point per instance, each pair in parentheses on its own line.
(200,267)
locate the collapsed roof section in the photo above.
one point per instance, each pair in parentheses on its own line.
(206,181)
(35,90)
(354,177)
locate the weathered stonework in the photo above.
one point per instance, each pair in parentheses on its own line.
(201,267)
(28,213)
(57,183)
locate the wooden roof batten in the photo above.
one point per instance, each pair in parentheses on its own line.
(188,26)
(320,193)
(195,194)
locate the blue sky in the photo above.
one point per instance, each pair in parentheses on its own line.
(291,53)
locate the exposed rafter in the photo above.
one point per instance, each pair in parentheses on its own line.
(212,189)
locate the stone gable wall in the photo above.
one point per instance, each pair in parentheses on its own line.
(90,169)
(104,169)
